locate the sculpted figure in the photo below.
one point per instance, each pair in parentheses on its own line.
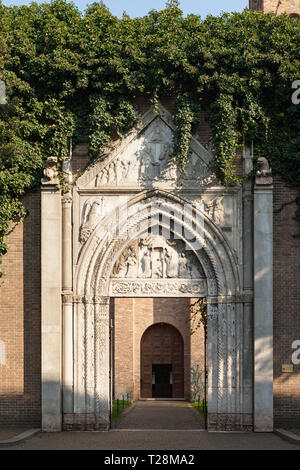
(171,264)
(50,171)
(111,173)
(146,264)
(91,220)
(125,262)
(183,266)
(264,173)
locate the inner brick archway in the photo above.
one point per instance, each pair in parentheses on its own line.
(162,362)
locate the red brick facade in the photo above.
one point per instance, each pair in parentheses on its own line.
(292,7)
(132,316)
(20,318)
(286,306)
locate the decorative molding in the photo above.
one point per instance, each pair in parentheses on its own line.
(158,288)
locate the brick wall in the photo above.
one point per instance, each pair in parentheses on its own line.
(132,316)
(20,321)
(276,6)
(286,306)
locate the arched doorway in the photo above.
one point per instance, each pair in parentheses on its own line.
(162,362)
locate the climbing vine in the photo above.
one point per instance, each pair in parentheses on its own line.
(77,75)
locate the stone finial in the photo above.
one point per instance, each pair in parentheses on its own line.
(50,171)
(263,174)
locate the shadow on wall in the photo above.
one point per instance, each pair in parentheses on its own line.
(20,402)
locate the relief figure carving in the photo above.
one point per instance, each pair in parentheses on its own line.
(91,215)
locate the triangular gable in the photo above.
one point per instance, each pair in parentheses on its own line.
(142,158)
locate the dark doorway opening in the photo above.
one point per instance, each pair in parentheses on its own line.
(162,380)
(162,362)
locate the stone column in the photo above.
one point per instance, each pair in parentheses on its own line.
(67,304)
(247,327)
(51,299)
(212,354)
(102,362)
(263,298)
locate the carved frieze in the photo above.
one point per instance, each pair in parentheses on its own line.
(158,287)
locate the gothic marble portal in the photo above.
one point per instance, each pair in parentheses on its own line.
(133,228)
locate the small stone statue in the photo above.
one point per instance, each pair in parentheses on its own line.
(50,171)
(264,173)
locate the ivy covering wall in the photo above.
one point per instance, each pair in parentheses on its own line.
(78,75)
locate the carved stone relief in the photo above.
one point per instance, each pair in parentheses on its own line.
(264,174)
(148,160)
(92,212)
(157,258)
(215,210)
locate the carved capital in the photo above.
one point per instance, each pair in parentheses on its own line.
(67,199)
(67,297)
(98,299)
(87,299)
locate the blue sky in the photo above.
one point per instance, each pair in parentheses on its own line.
(141,7)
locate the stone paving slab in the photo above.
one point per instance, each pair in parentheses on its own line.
(291,435)
(7,432)
(159,415)
(18,438)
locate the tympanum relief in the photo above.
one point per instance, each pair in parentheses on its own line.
(154,265)
(156,258)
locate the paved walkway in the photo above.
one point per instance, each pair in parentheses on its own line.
(154,440)
(159,415)
(155,426)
